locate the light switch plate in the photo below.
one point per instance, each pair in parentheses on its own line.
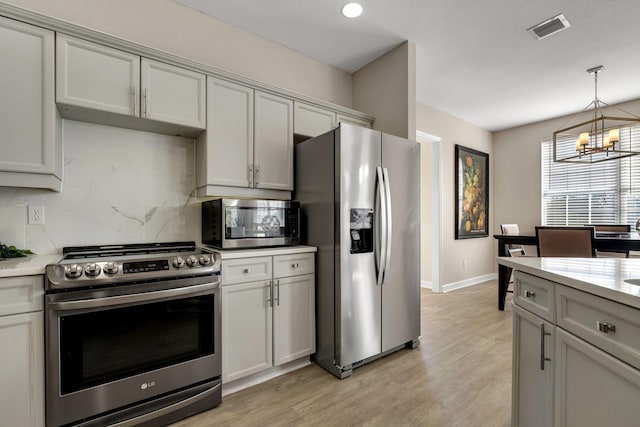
(35,214)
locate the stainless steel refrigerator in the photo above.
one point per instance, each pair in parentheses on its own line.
(359,191)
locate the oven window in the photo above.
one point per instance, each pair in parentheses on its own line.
(107,345)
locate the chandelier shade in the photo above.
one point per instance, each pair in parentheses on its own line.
(607,135)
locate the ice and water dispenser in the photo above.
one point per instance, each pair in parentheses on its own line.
(361,230)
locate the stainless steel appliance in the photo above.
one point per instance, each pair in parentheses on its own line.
(359,191)
(132,334)
(233,223)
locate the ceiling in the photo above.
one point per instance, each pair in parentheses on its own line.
(474,59)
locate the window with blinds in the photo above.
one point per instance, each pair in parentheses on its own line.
(598,193)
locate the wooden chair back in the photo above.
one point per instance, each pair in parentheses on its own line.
(566,241)
(512,229)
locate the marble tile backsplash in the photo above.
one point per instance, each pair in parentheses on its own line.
(119,186)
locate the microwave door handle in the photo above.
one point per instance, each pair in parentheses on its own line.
(389,230)
(382,246)
(133,298)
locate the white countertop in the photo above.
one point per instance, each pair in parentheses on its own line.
(27,266)
(604,277)
(248,253)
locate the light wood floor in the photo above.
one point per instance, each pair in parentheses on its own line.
(460,375)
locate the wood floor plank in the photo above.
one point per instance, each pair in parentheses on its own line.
(460,375)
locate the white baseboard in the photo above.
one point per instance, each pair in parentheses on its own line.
(266,375)
(426,285)
(469,282)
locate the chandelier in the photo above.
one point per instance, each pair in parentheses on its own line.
(603,137)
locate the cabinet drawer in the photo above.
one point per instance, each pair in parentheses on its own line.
(293,265)
(611,326)
(534,294)
(22,294)
(245,270)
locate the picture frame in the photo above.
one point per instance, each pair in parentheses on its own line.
(472,193)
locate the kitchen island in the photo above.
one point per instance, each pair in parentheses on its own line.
(576,341)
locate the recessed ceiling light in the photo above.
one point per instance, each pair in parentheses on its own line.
(352,10)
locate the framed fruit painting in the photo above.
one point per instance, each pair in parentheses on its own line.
(472,193)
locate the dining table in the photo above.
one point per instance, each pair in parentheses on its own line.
(604,241)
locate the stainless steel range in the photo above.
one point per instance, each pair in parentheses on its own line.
(132,334)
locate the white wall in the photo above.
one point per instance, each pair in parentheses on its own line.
(173,28)
(120,186)
(426,226)
(517,177)
(386,89)
(478,252)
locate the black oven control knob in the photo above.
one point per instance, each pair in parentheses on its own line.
(204,260)
(192,261)
(178,262)
(111,267)
(92,269)
(72,271)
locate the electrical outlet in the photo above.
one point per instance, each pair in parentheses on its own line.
(35,214)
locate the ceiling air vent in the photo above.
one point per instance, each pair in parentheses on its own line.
(550,26)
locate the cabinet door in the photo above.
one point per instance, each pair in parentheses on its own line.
(225,152)
(312,121)
(172,94)
(532,385)
(592,387)
(27,104)
(246,329)
(97,77)
(294,318)
(22,369)
(353,120)
(273,142)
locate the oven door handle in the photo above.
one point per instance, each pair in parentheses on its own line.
(133,298)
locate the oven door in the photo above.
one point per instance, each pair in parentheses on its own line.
(109,349)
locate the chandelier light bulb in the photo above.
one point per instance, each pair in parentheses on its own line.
(352,10)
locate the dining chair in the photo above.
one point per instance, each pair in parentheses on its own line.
(511,249)
(565,241)
(611,228)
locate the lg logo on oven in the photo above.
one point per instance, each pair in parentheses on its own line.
(145,386)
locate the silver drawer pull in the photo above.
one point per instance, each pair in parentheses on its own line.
(605,327)
(294,265)
(529,294)
(247,270)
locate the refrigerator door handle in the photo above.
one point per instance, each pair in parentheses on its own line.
(389,228)
(383,227)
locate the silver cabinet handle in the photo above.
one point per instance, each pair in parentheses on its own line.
(294,265)
(246,270)
(134,97)
(278,292)
(250,175)
(542,357)
(255,184)
(145,95)
(605,327)
(529,294)
(270,297)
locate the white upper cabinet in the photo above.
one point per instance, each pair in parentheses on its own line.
(31,141)
(98,77)
(172,94)
(225,152)
(312,121)
(273,155)
(93,79)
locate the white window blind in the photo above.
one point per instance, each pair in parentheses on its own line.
(598,193)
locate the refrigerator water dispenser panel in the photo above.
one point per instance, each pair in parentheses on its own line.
(361,230)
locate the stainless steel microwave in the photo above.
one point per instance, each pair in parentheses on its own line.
(236,223)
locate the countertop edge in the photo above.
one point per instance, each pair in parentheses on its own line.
(563,279)
(27,266)
(250,253)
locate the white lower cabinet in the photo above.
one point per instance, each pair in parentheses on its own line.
(266,323)
(575,362)
(592,387)
(532,394)
(21,352)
